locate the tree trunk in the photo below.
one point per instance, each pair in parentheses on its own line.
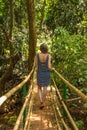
(11,28)
(32,33)
(42,14)
(13,59)
(9,72)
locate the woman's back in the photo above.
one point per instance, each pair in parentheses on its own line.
(43,73)
(42,62)
(43,57)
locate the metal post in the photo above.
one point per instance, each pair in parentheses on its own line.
(24,94)
(64,97)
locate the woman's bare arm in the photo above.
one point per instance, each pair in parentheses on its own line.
(49,63)
(36,64)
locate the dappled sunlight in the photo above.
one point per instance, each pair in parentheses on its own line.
(35,117)
(2,99)
(41,119)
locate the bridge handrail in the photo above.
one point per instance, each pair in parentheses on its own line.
(27,121)
(23,108)
(65,107)
(79,93)
(16,88)
(56,107)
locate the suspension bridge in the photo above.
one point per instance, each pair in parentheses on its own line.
(53,116)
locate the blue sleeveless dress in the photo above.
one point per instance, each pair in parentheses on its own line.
(43,73)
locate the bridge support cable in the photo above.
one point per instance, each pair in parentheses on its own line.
(16,127)
(16,88)
(79,93)
(66,109)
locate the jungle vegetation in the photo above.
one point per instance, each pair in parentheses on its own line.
(25,24)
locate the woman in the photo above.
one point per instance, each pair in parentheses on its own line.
(43,65)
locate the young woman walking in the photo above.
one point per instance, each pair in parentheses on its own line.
(43,67)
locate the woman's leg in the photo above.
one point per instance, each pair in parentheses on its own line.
(40,93)
(44,93)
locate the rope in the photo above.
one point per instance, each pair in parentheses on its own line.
(79,93)
(13,90)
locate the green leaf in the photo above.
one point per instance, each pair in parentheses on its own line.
(12,120)
(85,105)
(80,123)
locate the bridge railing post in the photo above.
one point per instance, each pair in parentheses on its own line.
(64,97)
(24,95)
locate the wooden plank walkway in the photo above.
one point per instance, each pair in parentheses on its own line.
(42,119)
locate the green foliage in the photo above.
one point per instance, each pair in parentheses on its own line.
(68,14)
(4,12)
(20,40)
(20,13)
(69,54)
(80,124)
(84,90)
(85,105)
(19,33)
(12,120)
(38,7)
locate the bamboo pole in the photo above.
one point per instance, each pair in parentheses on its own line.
(28,114)
(61,118)
(16,88)
(58,125)
(22,110)
(68,114)
(60,115)
(27,122)
(79,93)
(73,99)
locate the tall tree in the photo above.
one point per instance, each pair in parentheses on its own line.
(32,32)
(13,58)
(42,13)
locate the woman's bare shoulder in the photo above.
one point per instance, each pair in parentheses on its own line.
(49,55)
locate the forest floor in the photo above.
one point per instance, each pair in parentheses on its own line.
(40,119)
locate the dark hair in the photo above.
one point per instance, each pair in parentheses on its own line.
(43,48)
